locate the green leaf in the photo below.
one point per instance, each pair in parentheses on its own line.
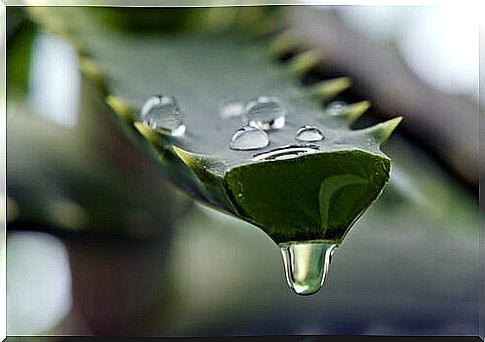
(331,196)
(291,190)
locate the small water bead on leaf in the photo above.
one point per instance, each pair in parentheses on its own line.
(163,112)
(309,134)
(307,264)
(249,138)
(335,108)
(231,109)
(265,112)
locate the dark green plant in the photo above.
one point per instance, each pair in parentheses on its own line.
(311,191)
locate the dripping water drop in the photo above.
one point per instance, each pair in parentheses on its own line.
(309,134)
(307,264)
(265,112)
(163,112)
(249,138)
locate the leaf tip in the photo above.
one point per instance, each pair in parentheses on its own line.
(356,110)
(381,132)
(282,43)
(303,62)
(327,89)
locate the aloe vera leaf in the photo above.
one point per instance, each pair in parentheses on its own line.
(203,68)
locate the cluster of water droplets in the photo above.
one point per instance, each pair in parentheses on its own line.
(260,116)
(163,112)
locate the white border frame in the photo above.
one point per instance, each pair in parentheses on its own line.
(478,4)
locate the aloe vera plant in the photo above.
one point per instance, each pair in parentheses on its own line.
(304,193)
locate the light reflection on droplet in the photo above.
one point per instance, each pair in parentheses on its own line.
(307,264)
(309,134)
(286,152)
(249,138)
(163,112)
(265,112)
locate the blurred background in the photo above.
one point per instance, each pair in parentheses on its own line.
(86,257)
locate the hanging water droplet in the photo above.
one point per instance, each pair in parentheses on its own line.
(231,109)
(163,112)
(309,133)
(335,108)
(249,138)
(307,264)
(265,112)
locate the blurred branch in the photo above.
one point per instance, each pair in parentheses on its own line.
(85,180)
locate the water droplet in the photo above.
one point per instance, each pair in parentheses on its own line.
(265,112)
(249,138)
(335,108)
(231,109)
(307,264)
(163,112)
(286,152)
(309,133)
